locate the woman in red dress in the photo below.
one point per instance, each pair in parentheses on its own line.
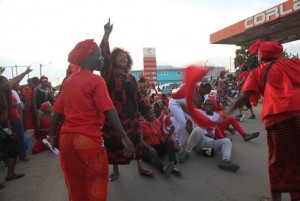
(277,80)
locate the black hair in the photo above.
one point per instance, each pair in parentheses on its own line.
(145,110)
(115,53)
(35,80)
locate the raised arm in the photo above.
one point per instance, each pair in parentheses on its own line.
(104,46)
(18,78)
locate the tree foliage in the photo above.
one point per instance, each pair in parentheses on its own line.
(242,56)
(2,69)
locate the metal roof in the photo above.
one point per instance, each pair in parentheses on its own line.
(279,23)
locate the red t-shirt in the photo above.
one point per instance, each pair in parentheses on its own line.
(281,94)
(14,112)
(179,94)
(83,100)
(152,132)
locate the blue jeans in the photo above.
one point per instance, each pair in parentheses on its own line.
(18,128)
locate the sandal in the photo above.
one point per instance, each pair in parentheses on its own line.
(176,171)
(113,176)
(264,198)
(146,173)
(16,176)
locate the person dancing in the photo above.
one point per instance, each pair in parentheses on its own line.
(124,92)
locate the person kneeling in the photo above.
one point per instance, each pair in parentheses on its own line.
(206,140)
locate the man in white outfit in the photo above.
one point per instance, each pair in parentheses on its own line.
(203,140)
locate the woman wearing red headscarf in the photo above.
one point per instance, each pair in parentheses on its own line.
(123,90)
(43,122)
(83,100)
(279,84)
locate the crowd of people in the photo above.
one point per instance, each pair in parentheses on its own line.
(112,119)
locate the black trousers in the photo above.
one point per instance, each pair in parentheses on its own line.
(162,149)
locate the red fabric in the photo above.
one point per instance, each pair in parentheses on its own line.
(81,51)
(222,73)
(14,112)
(232,121)
(179,94)
(44,124)
(165,122)
(192,75)
(284,155)
(83,100)
(45,105)
(214,102)
(43,78)
(152,132)
(266,49)
(28,116)
(242,75)
(282,91)
(85,166)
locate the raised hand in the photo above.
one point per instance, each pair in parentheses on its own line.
(108,27)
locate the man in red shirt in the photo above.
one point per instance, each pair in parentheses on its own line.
(83,100)
(279,84)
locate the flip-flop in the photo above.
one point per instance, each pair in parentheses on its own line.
(176,171)
(113,176)
(169,168)
(16,176)
(146,173)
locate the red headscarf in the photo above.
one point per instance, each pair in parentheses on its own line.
(43,78)
(222,73)
(81,51)
(214,101)
(44,106)
(266,49)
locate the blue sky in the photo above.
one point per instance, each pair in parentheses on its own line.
(37,32)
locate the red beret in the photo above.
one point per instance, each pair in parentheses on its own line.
(43,78)
(222,73)
(81,51)
(266,49)
(214,102)
(45,105)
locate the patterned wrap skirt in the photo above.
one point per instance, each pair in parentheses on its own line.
(284,155)
(85,166)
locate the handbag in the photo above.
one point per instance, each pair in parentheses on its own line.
(6,135)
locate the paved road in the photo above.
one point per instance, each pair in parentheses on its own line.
(202,180)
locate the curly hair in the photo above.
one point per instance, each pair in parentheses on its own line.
(117,51)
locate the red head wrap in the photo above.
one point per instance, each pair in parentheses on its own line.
(45,105)
(266,49)
(222,73)
(244,66)
(81,51)
(43,78)
(214,101)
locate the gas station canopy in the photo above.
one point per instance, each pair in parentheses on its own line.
(279,23)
